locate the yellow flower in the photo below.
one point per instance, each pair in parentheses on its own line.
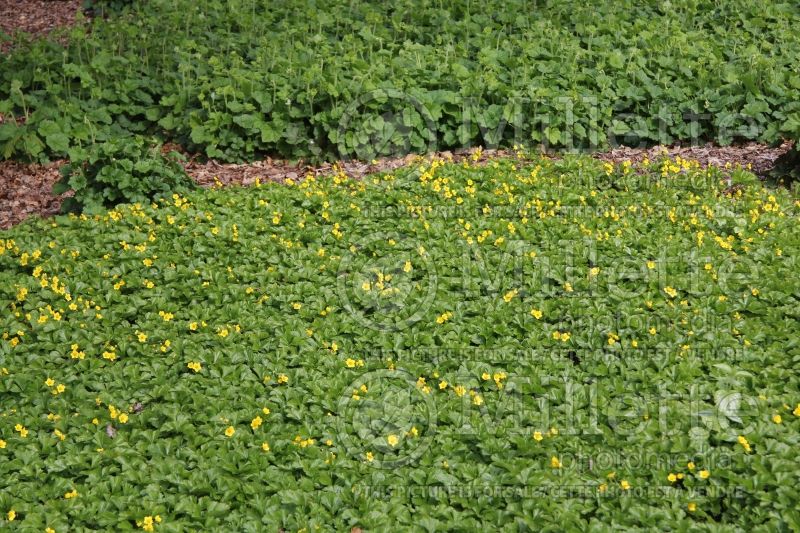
(2,444)
(11,515)
(651,265)
(796,411)
(195,366)
(460,390)
(690,465)
(507,297)
(283,378)
(392,440)
(141,336)
(745,444)
(777,418)
(71,494)
(193,326)
(266,411)
(369,457)
(692,507)
(672,478)
(594,271)
(537,436)
(442,385)
(704,474)
(624,484)
(672,293)
(49,382)
(296,306)
(652,330)
(555,462)
(407,267)
(485,376)
(123,418)
(265,446)
(229,431)
(568,287)
(22,293)
(562,336)
(444,317)
(536,313)
(256,423)
(146,523)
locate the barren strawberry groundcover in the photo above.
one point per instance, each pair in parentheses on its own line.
(529,343)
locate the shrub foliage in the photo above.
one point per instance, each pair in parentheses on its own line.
(237,79)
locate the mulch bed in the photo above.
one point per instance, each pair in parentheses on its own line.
(761,158)
(25,190)
(36,18)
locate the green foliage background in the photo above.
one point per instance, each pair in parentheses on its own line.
(238,79)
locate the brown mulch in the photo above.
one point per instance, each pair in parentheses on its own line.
(36,17)
(761,158)
(213,173)
(26,189)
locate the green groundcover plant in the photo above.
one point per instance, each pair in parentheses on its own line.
(525,344)
(238,79)
(125,169)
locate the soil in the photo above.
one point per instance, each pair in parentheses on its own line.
(37,18)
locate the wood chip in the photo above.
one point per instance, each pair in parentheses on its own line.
(37,18)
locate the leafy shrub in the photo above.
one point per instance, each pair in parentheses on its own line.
(787,168)
(238,79)
(120,170)
(102,8)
